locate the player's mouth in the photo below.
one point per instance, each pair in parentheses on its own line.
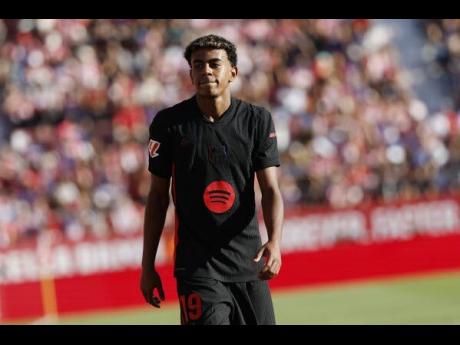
(208,82)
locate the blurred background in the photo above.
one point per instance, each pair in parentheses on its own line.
(367,119)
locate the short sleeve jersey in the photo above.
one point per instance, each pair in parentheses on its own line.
(212,165)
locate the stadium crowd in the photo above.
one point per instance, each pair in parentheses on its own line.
(77,97)
(442,52)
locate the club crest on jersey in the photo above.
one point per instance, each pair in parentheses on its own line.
(153,148)
(217,154)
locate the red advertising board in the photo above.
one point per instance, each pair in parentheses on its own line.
(319,246)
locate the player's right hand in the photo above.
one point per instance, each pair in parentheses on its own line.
(150,280)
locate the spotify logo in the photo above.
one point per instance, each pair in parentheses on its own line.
(219,196)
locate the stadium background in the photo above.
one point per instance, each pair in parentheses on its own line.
(367,119)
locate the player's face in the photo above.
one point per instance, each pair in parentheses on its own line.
(211,72)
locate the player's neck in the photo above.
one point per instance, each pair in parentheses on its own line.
(213,107)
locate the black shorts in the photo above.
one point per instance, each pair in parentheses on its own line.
(206,301)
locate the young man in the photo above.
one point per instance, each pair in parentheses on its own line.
(211,145)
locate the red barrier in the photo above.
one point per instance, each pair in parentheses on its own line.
(352,262)
(21,300)
(319,246)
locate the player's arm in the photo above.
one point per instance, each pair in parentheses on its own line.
(154,219)
(273,212)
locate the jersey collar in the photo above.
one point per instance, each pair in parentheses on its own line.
(223,119)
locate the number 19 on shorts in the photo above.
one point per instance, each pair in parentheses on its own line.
(191,307)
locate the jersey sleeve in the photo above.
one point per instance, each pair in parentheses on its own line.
(266,146)
(160,147)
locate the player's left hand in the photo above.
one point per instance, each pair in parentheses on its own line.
(272,252)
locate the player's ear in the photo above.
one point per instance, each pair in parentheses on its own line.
(234,73)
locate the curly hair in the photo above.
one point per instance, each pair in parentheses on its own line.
(211,42)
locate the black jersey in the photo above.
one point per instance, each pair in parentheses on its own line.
(212,166)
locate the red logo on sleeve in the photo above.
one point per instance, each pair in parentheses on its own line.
(219,196)
(153,148)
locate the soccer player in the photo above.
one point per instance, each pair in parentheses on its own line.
(212,145)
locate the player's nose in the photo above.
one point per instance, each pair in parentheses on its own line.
(207,70)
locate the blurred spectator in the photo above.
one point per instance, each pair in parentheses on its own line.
(78,96)
(442,52)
